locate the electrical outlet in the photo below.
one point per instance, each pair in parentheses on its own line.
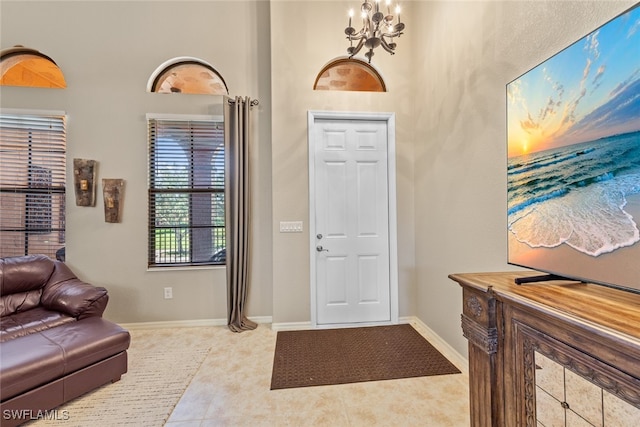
(168,293)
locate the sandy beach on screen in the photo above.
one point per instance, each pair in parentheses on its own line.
(620,267)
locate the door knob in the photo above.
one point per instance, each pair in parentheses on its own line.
(319,248)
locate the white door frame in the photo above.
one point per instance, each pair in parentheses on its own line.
(390,118)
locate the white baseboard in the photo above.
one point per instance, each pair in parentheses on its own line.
(261,320)
(291,326)
(188,323)
(297,326)
(441,345)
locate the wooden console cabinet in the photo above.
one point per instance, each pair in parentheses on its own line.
(522,335)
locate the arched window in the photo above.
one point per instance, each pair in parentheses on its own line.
(187,75)
(21,66)
(349,74)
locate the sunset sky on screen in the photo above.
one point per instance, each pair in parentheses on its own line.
(587,91)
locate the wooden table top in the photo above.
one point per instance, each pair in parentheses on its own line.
(615,310)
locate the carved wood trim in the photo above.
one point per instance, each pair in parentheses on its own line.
(475,306)
(484,338)
(529,381)
(593,370)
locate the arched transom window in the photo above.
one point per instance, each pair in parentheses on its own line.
(21,66)
(349,74)
(187,75)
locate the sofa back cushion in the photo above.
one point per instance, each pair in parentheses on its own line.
(66,293)
(35,280)
(24,273)
(21,282)
(20,302)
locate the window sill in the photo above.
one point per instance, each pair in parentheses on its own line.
(187,268)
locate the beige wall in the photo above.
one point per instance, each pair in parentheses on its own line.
(107,51)
(304,37)
(446,85)
(471,50)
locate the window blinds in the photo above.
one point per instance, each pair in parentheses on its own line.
(186,192)
(32,183)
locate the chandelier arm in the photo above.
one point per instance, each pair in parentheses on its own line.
(385,46)
(359,36)
(394,34)
(357,48)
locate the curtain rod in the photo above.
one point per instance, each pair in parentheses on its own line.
(253,103)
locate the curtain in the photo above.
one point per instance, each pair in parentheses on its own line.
(237,135)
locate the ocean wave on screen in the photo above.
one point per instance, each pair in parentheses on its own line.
(590,219)
(530,202)
(520,168)
(554,192)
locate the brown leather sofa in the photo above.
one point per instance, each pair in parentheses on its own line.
(54,343)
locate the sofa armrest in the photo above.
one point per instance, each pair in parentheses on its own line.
(75,298)
(66,293)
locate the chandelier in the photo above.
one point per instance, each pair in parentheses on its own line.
(378,29)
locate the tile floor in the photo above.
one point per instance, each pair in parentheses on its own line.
(232,388)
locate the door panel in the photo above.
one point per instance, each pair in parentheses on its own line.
(335,192)
(368,199)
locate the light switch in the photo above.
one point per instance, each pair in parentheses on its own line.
(291,226)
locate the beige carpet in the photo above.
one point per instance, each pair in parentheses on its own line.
(162,363)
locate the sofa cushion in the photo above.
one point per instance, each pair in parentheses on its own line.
(25,273)
(24,367)
(41,357)
(27,322)
(21,301)
(88,341)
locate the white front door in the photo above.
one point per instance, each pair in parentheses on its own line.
(350,230)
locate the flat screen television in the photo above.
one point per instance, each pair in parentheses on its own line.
(573,167)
